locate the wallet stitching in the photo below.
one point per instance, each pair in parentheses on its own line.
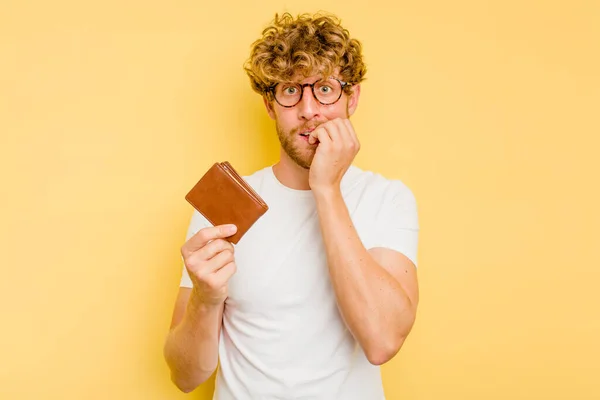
(253,195)
(243,183)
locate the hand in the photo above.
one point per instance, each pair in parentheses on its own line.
(338,145)
(210,262)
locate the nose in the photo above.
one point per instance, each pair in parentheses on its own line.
(308,107)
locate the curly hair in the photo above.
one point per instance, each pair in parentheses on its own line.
(306,46)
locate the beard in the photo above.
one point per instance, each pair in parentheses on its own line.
(301,153)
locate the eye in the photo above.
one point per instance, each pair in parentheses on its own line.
(325,89)
(290,90)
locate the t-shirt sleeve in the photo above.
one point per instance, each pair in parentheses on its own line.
(397,222)
(197,222)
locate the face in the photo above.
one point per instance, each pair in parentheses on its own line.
(292,123)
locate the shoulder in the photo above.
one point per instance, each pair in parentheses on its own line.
(256,177)
(386,189)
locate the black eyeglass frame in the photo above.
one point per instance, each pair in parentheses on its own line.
(343,85)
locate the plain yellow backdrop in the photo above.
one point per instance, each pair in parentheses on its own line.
(110,112)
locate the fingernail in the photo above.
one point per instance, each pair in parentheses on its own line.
(231,228)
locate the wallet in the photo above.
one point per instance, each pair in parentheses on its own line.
(222,196)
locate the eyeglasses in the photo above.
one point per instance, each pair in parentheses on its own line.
(326,91)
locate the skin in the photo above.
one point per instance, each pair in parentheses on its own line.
(376,289)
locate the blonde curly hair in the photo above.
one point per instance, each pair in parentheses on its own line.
(307,45)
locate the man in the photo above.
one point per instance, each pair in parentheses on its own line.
(323,288)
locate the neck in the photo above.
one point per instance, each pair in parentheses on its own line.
(291,174)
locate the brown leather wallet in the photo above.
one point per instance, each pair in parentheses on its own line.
(224,197)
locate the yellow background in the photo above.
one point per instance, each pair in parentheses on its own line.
(110,111)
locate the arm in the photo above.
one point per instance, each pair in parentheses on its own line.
(376,290)
(191,347)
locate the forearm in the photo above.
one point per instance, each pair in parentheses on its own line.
(372,303)
(191,347)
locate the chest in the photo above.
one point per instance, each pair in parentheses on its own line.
(280,262)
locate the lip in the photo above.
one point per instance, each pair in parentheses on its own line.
(305,139)
(306,131)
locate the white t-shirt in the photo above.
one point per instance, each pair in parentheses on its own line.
(283,336)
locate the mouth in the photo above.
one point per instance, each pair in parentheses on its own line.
(307,132)
(305,137)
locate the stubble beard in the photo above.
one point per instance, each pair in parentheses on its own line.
(287,139)
(302,157)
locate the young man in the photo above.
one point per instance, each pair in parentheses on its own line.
(323,288)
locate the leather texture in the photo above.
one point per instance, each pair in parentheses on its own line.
(224,197)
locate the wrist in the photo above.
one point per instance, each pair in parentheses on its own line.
(326,193)
(199,302)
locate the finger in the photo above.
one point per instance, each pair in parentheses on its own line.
(205,235)
(319,135)
(213,248)
(352,132)
(200,264)
(313,137)
(346,132)
(333,129)
(219,261)
(223,275)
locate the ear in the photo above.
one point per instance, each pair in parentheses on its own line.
(269,107)
(353,99)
